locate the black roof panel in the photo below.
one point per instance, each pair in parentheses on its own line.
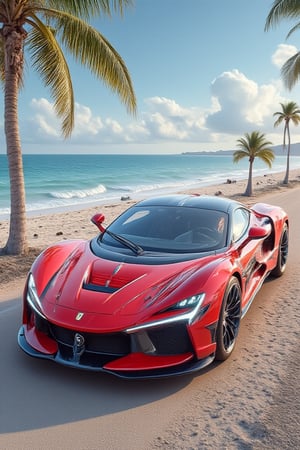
(193,201)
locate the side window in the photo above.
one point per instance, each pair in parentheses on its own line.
(240,223)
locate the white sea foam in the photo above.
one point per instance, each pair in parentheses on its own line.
(80,193)
(67,182)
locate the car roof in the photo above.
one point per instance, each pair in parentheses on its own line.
(193,201)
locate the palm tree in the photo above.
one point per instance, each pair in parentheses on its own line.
(46,27)
(253,146)
(286,9)
(290,112)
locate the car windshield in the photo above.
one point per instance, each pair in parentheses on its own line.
(172,229)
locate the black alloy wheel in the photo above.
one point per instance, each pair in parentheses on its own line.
(229,320)
(282,253)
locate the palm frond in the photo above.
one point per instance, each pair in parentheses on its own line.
(90,8)
(240,154)
(254,145)
(290,112)
(279,119)
(296,119)
(290,71)
(49,61)
(93,51)
(292,30)
(267,156)
(288,9)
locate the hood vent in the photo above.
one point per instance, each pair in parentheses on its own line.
(110,278)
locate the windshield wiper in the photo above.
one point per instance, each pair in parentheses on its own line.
(126,242)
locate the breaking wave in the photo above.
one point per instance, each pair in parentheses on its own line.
(79,193)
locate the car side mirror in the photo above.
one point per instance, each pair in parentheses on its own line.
(258,233)
(98,220)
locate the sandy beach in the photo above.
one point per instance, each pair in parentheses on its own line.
(249,402)
(44,230)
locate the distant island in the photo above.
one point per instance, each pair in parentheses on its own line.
(278,150)
(211,153)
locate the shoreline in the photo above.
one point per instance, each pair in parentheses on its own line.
(44,230)
(80,197)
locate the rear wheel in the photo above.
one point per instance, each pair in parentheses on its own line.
(229,320)
(282,253)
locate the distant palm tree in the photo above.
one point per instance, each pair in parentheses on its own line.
(47,27)
(253,145)
(286,9)
(290,112)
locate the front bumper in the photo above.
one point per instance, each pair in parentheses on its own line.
(134,365)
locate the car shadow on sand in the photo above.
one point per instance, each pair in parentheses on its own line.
(38,393)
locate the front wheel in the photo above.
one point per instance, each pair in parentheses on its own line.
(282,252)
(229,320)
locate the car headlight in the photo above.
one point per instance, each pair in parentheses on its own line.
(187,303)
(33,298)
(192,307)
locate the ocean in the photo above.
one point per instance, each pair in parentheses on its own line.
(58,182)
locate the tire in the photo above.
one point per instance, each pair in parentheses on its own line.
(282,253)
(229,320)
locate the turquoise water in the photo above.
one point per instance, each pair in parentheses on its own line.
(54,182)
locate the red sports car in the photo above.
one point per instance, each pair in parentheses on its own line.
(159,292)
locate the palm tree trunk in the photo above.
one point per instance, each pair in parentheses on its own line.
(248,191)
(17,242)
(286,177)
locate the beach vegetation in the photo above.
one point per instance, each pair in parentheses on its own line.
(253,145)
(290,113)
(49,29)
(281,10)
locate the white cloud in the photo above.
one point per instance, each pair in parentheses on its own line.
(282,54)
(238,105)
(45,121)
(165,119)
(87,129)
(85,122)
(243,104)
(166,107)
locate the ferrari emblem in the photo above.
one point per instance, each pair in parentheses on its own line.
(79,316)
(78,347)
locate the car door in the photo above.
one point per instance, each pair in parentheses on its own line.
(246,251)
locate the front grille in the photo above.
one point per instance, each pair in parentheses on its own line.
(100,349)
(89,359)
(117,344)
(171,340)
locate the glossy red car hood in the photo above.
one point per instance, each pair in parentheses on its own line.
(90,285)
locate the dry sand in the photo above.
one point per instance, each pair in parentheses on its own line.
(44,230)
(250,402)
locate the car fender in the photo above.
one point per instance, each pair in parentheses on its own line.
(221,269)
(216,275)
(276,214)
(51,260)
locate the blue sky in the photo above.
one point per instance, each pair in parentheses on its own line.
(204,73)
